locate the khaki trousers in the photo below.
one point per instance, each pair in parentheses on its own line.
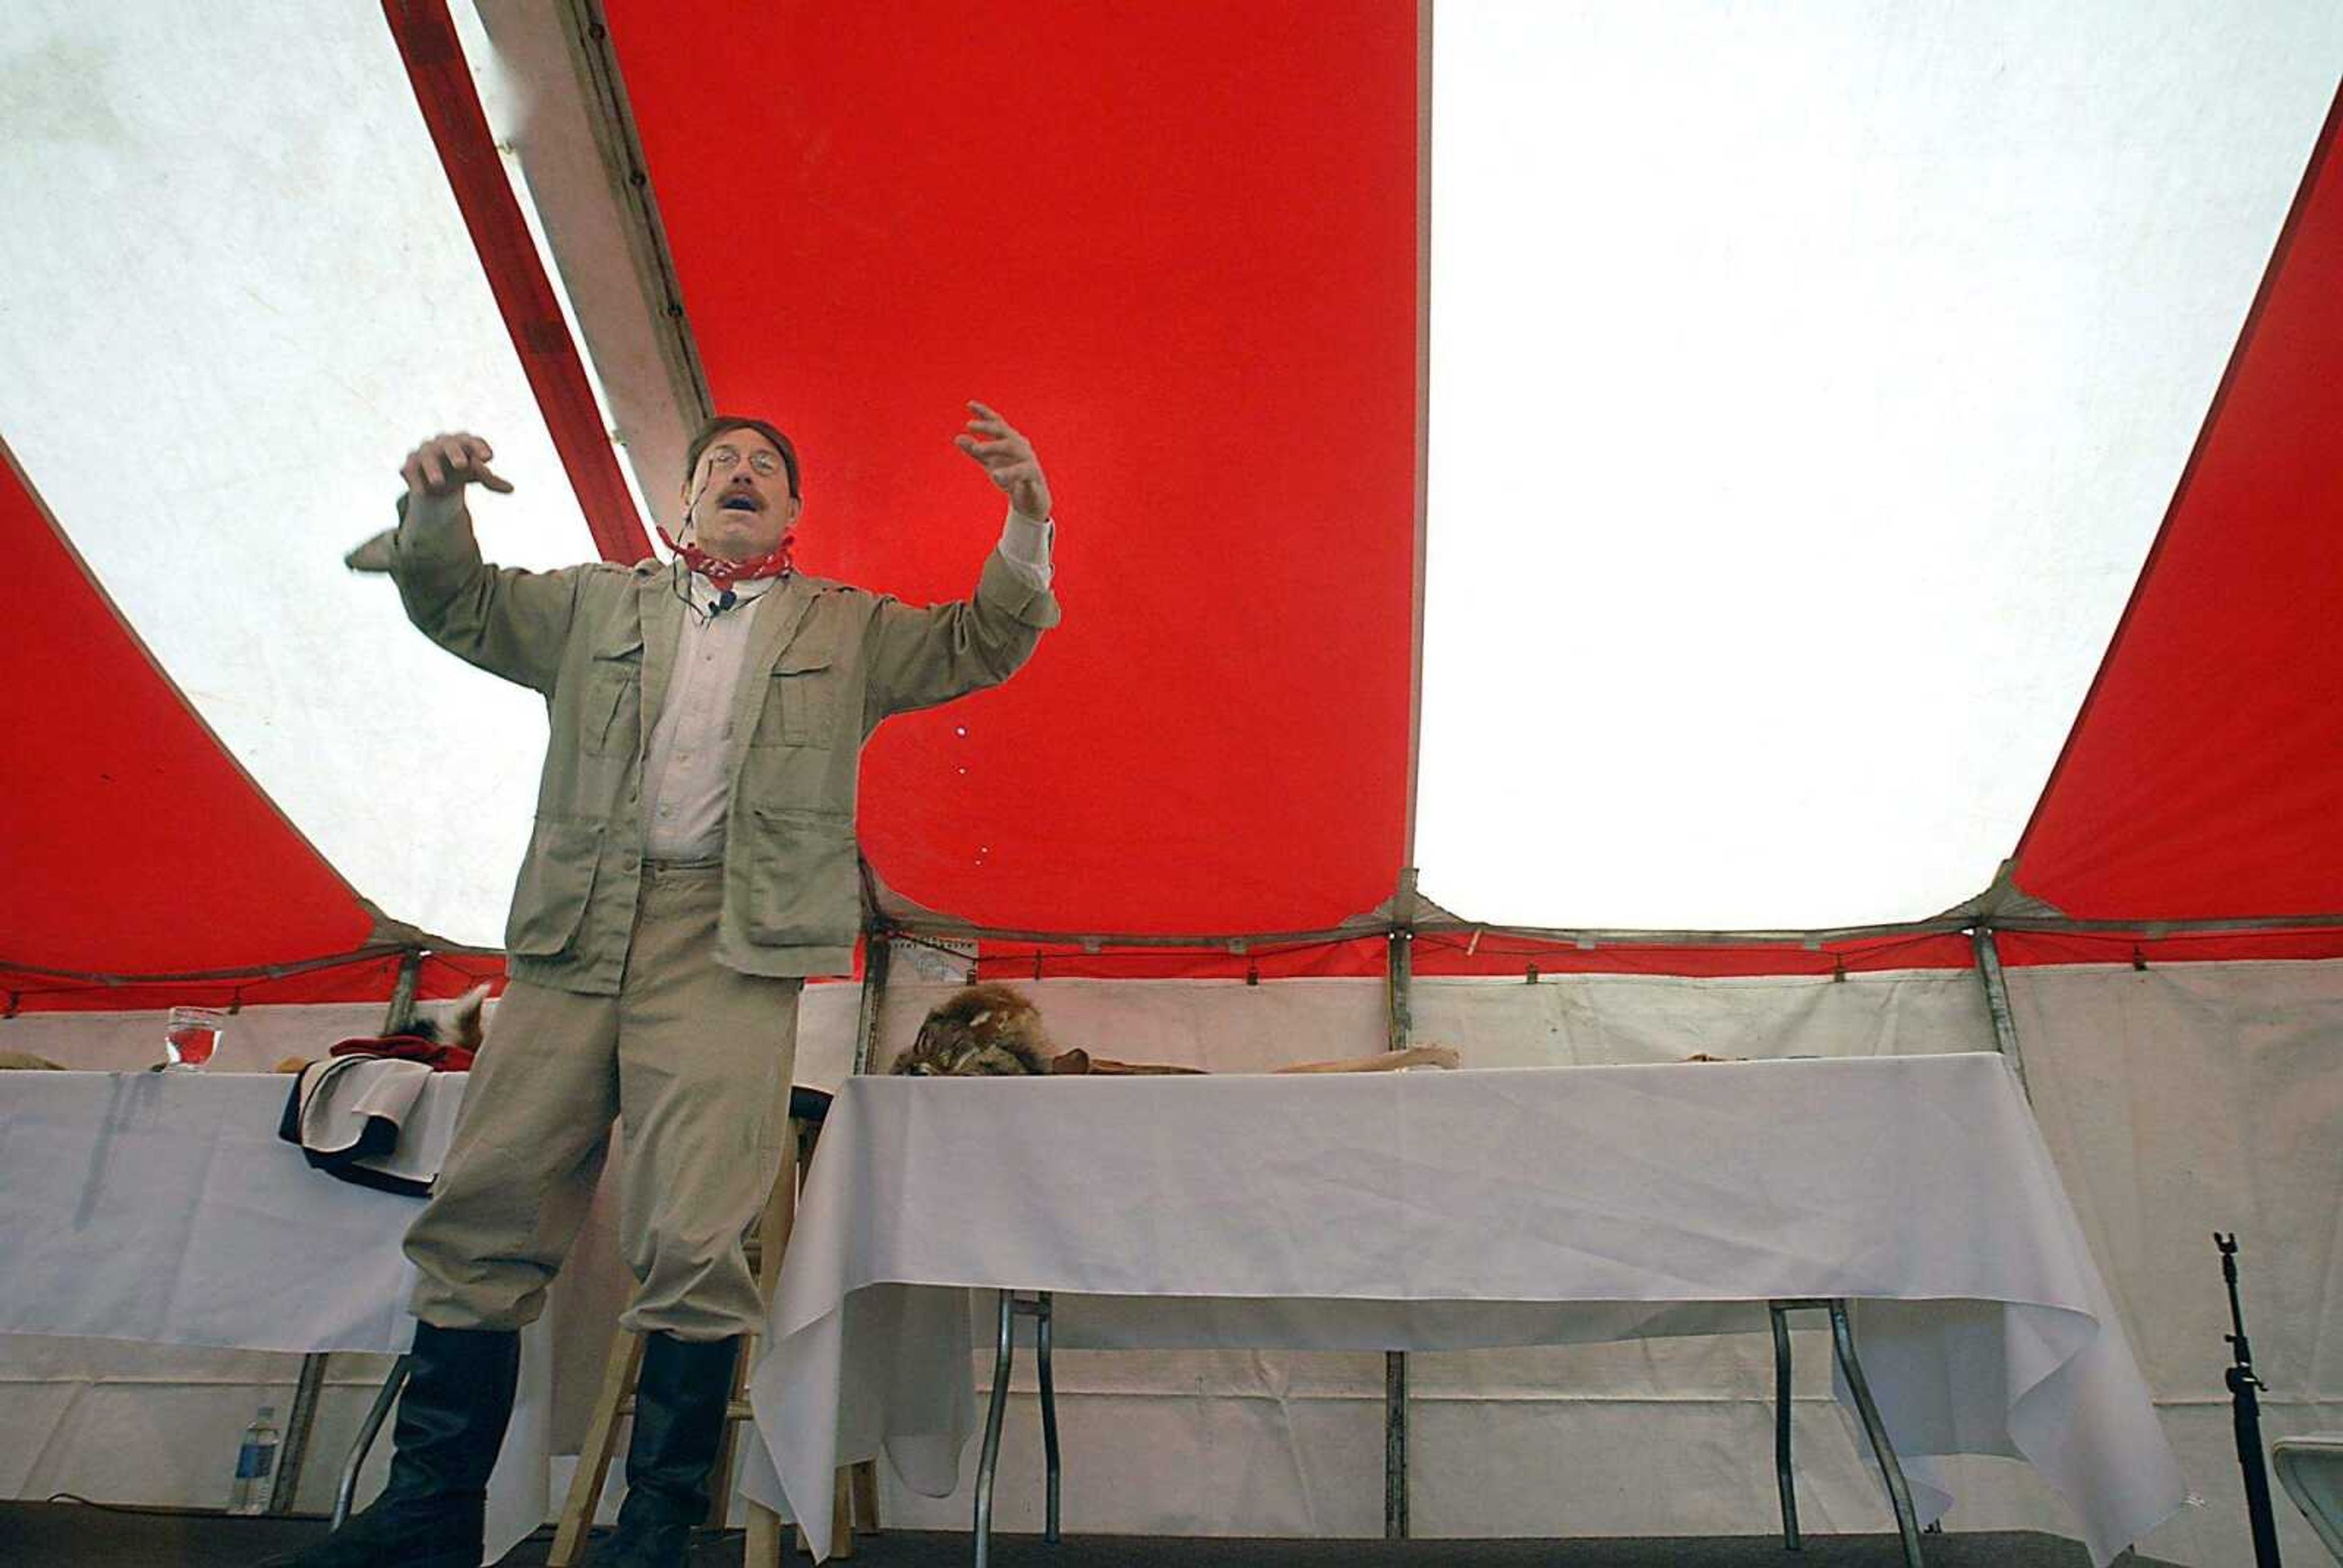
(695,1058)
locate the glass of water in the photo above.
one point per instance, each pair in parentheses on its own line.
(191,1034)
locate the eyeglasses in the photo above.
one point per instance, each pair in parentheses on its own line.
(764,461)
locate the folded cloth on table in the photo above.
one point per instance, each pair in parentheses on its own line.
(346,1113)
(419,1047)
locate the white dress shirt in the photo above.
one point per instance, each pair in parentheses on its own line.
(685,784)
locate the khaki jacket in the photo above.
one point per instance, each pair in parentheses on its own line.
(828,662)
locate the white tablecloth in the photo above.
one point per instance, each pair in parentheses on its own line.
(1443,1210)
(162,1208)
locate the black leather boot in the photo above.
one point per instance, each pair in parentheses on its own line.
(680,1399)
(451,1420)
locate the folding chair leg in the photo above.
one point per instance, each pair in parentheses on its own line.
(345,1490)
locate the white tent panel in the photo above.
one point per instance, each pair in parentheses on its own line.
(2177,1101)
(1808,384)
(238,292)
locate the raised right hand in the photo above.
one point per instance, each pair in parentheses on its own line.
(444,465)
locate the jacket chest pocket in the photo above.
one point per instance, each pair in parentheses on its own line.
(610,717)
(800,700)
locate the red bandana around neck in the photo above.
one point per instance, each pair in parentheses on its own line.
(724,573)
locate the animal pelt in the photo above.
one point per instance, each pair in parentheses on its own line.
(459,1025)
(993,1031)
(980,1032)
(456,1026)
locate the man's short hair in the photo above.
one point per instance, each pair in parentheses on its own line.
(723,422)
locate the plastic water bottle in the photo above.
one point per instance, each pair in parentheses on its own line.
(256,1464)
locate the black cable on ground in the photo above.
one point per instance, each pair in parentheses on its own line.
(163,1509)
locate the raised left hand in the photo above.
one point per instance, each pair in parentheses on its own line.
(1008,460)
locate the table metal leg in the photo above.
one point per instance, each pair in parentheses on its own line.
(1048,1415)
(346,1489)
(1791,1540)
(1890,1467)
(298,1424)
(989,1459)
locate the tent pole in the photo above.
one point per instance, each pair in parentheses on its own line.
(1400,970)
(1399,975)
(1394,1445)
(402,992)
(1996,1002)
(947,928)
(312,1383)
(878,953)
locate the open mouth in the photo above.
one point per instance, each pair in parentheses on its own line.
(738,503)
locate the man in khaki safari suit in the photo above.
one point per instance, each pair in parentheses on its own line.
(693,860)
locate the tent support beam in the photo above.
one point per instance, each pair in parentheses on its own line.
(582,159)
(433,52)
(1400,968)
(1400,1018)
(365,954)
(877,955)
(1394,1445)
(402,992)
(1422,497)
(1365,929)
(1996,1002)
(311,1385)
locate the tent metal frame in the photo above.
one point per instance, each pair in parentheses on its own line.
(432,52)
(1399,984)
(583,162)
(1996,1002)
(1589,938)
(311,1385)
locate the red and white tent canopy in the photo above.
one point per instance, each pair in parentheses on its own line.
(1198,254)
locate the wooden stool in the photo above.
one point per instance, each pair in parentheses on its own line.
(856,1502)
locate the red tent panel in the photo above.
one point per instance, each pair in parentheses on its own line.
(132,841)
(1180,248)
(2204,777)
(1177,246)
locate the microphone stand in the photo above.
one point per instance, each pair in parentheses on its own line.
(2246,1410)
